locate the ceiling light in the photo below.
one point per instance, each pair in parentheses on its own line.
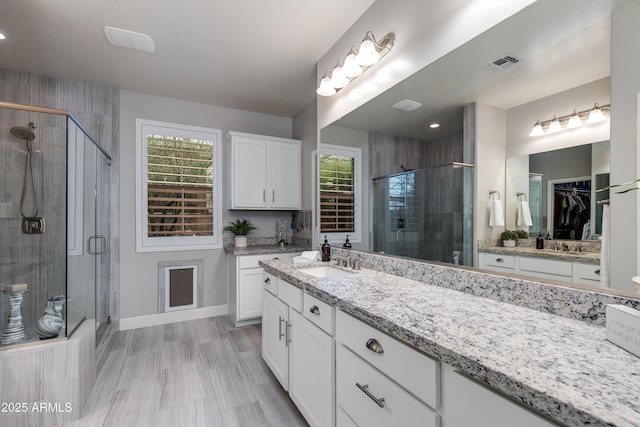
(569,121)
(356,63)
(129,39)
(325,88)
(434,125)
(2,36)
(595,115)
(537,129)
(555,125)
(406,105)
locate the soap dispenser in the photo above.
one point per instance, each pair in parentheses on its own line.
(539,242)
(326,250)
(347,244)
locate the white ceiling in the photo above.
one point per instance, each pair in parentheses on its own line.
(254,55)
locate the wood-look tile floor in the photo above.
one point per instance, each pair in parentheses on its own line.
(199,373)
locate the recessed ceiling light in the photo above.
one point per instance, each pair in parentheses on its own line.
(130,39)
(406,105)
(434,125)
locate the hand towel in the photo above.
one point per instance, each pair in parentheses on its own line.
(604,248)
(496,216)
(524,215)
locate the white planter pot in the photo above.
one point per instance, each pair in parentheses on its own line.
(509,243)
(241,242)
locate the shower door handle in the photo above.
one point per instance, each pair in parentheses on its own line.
(105,245)
(398,235)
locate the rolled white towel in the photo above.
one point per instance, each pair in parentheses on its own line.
(496,216)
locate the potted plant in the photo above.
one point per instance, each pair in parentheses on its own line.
(240,227)
(522,234)
(509,238)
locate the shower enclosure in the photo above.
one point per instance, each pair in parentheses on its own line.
(425,214)
(54,223)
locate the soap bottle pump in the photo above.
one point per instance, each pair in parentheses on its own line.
(347,244)
(326,250)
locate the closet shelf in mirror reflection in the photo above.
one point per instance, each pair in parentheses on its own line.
(576,119)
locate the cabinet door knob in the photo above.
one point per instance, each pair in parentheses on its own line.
(267,280)
(364,388)
(375,346)
(315,310)
(499,260)
(597,271)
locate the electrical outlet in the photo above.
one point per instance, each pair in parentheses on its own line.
(33,225)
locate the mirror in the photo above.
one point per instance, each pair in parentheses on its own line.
(556,51)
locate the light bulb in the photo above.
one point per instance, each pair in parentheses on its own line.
(325,88)
(537,129)
(574,120)
(351,68)
(338,79)
(554,126)
(367,55)
(595,115)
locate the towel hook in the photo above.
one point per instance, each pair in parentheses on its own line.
(520,195)
(493,192)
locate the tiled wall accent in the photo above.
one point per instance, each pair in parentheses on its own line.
(97,108)
(585,305)
(59,372)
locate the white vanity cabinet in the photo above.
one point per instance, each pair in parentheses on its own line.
(381,381)
(265,172)
(245,286)
(298,351)
(586,274)
(497,262)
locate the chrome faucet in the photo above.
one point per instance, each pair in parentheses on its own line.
(344,260)
(355,263)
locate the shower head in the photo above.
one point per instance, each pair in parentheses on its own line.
(23,133)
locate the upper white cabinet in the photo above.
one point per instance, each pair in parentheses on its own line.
(265,172)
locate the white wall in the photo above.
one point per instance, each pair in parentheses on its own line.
(304,128)
(625,156)
(138,273)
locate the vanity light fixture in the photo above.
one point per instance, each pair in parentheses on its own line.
(434,125)
(2,36)
(569,121)
(356,62)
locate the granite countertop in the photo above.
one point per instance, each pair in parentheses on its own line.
(264,249)
(586,257)
(563,368)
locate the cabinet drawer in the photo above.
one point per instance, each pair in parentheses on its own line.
(355,377)
(586,271)
(497,260)
(270,283)
(408,367)
(251,261)
(545,266)
(319,312)
(290,295)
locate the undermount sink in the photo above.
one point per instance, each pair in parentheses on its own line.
(325,272)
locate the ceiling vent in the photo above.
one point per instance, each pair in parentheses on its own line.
(129,39)
(406,105)
(504,62)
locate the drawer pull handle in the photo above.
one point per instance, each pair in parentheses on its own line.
(267,280)
(364,388)
(315,310)
(280,334)
(375,346)
(499,260)
(597,271)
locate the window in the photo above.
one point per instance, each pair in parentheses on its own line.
(339,192)
(178,187)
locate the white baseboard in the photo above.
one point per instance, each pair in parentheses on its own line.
(172,317)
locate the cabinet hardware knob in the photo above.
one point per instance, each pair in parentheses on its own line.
(267,280)
(597,271)
(315,310)
(499,260)
(375,346)
(364,388)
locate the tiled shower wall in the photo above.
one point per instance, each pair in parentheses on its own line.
(97,108)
